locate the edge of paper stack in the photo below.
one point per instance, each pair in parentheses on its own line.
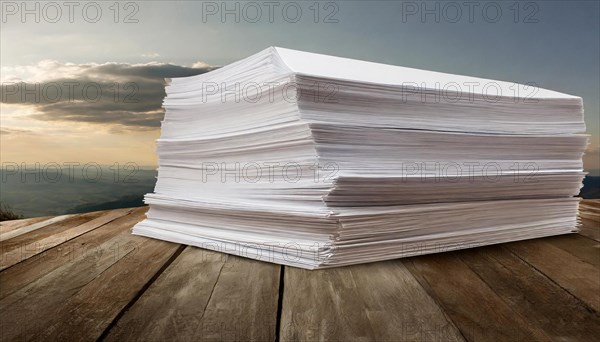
(317,161)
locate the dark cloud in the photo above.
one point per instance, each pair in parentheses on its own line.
(124,95)
(149,71)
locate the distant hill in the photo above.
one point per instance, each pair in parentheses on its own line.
(33,195)
(123,202)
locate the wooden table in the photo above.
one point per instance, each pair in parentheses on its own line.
(85,277)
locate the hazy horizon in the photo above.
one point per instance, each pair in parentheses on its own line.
(554,44)
(108,62)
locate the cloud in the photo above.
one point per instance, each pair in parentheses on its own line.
(151,55)
(114,94)
(200,64)
(6,131)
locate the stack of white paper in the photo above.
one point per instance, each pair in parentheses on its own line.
(318,161)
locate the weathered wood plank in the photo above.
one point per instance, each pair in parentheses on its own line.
(479,313)
(533,295)
(591,202)
(24,273)
(86,315)
(32,227)
(590,228)
(25,247)
(571,273)
(372,302)
(28,310)
(7,226)
(49,230)
(82,285)
(589,214)
(579,246)
(205,295)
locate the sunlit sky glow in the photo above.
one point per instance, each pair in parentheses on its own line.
(560,52)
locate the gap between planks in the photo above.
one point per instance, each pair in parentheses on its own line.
(20,248)
(281,297)
(137,296)
(212,296)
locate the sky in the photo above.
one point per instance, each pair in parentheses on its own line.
(125,49)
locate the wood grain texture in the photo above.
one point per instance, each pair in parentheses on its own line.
(372,302)
(590,228)
(585,249)
(589,214)
(26,272)
(56,227)
(7,226)
(86,315)
(27,246)
(571,273)
(13,233)
(590,208)
(27,311)
(205,296)
(532,295)
(475,308)
(85,277)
